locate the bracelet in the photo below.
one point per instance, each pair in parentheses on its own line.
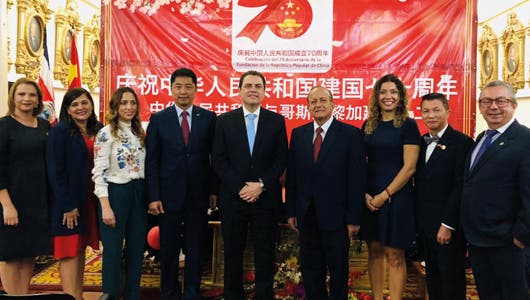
(388,193)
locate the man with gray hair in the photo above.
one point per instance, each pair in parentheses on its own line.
(496,197)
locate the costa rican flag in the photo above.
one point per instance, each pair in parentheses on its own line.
(46,85)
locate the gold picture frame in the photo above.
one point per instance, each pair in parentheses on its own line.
(31,25)
(91,52)
(488,49)
(513,43)
(67,24)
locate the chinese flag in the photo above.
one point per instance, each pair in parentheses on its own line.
(74,79)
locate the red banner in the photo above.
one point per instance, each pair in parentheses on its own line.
(343,45)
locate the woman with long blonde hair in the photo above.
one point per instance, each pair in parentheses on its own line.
(392,146)
(118,174)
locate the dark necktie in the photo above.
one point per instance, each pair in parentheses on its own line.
(484,146)
(185,127)
(251,131)
(431,139)
(317,144)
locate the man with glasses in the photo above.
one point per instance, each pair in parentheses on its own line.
(496,197)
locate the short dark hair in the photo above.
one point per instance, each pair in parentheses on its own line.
(251,73)
(184,72)
(435,96)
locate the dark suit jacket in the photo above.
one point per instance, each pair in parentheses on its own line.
(438,183)
(335,183)
(496,193)
(173,170)
(235,166)
(68,176)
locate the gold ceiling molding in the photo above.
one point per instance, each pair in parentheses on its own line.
(66,23)
(513,42)
(91,52)
(32,18)
(488,55)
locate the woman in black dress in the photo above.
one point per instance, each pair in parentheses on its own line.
(392,145)
(23,194)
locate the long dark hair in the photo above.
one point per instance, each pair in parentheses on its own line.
(113,118)
(92,125)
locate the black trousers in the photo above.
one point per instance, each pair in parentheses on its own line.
(181,231)
(445,266)
(320,251)
(235,225)
(499,272)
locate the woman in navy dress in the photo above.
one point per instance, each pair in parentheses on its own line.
(73,212)
(392,145)
(24,230)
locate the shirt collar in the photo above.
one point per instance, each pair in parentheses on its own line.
(246,112)
(503,128)
(324,126)
(180,110)
(441,132)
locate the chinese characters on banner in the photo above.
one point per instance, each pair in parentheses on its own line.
(342,45)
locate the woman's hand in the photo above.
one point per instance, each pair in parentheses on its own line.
(369,201)
(107,215)
(10,215)
(70,218)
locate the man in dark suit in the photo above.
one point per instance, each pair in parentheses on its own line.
(249,156)
(180,183)
(325,195)
(496,197)
(438,186)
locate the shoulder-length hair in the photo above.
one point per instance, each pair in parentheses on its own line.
(113,118)
(92,125)
(11,97)
(374,110)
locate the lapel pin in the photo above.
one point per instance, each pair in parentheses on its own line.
(501,143)
(443,147)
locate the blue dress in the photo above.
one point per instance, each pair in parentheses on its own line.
(393,224)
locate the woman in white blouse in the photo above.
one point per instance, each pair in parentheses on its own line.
(118,174)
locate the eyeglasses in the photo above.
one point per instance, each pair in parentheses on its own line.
(500,102)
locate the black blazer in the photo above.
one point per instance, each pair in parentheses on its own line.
(173,170)
(68,176)
(438,183)
(335,183)
(235,166)
(496,193)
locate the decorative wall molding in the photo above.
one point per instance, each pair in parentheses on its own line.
(91,52)
(66,23)
(513,45)
(488,59)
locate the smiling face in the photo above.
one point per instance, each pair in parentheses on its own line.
(127,108)
(494,115)
(388,97)
(26,98)
(434,115)
(183,91)
(252,92)
(320,105)
(80,109)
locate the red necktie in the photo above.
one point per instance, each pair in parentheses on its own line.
(317,144)
(185,127)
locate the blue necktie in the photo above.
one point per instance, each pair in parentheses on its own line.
(484,146)
(251,131)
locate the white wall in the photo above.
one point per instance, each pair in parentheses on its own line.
(87,9)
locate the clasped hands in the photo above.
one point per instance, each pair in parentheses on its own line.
(251,191)
(375,203)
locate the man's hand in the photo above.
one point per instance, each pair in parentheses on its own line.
(292,223)
(444,235)
(518,243)
(251,191)
(156,208)
(368,201)
(352,229)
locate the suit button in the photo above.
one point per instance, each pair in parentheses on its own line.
(252,166)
